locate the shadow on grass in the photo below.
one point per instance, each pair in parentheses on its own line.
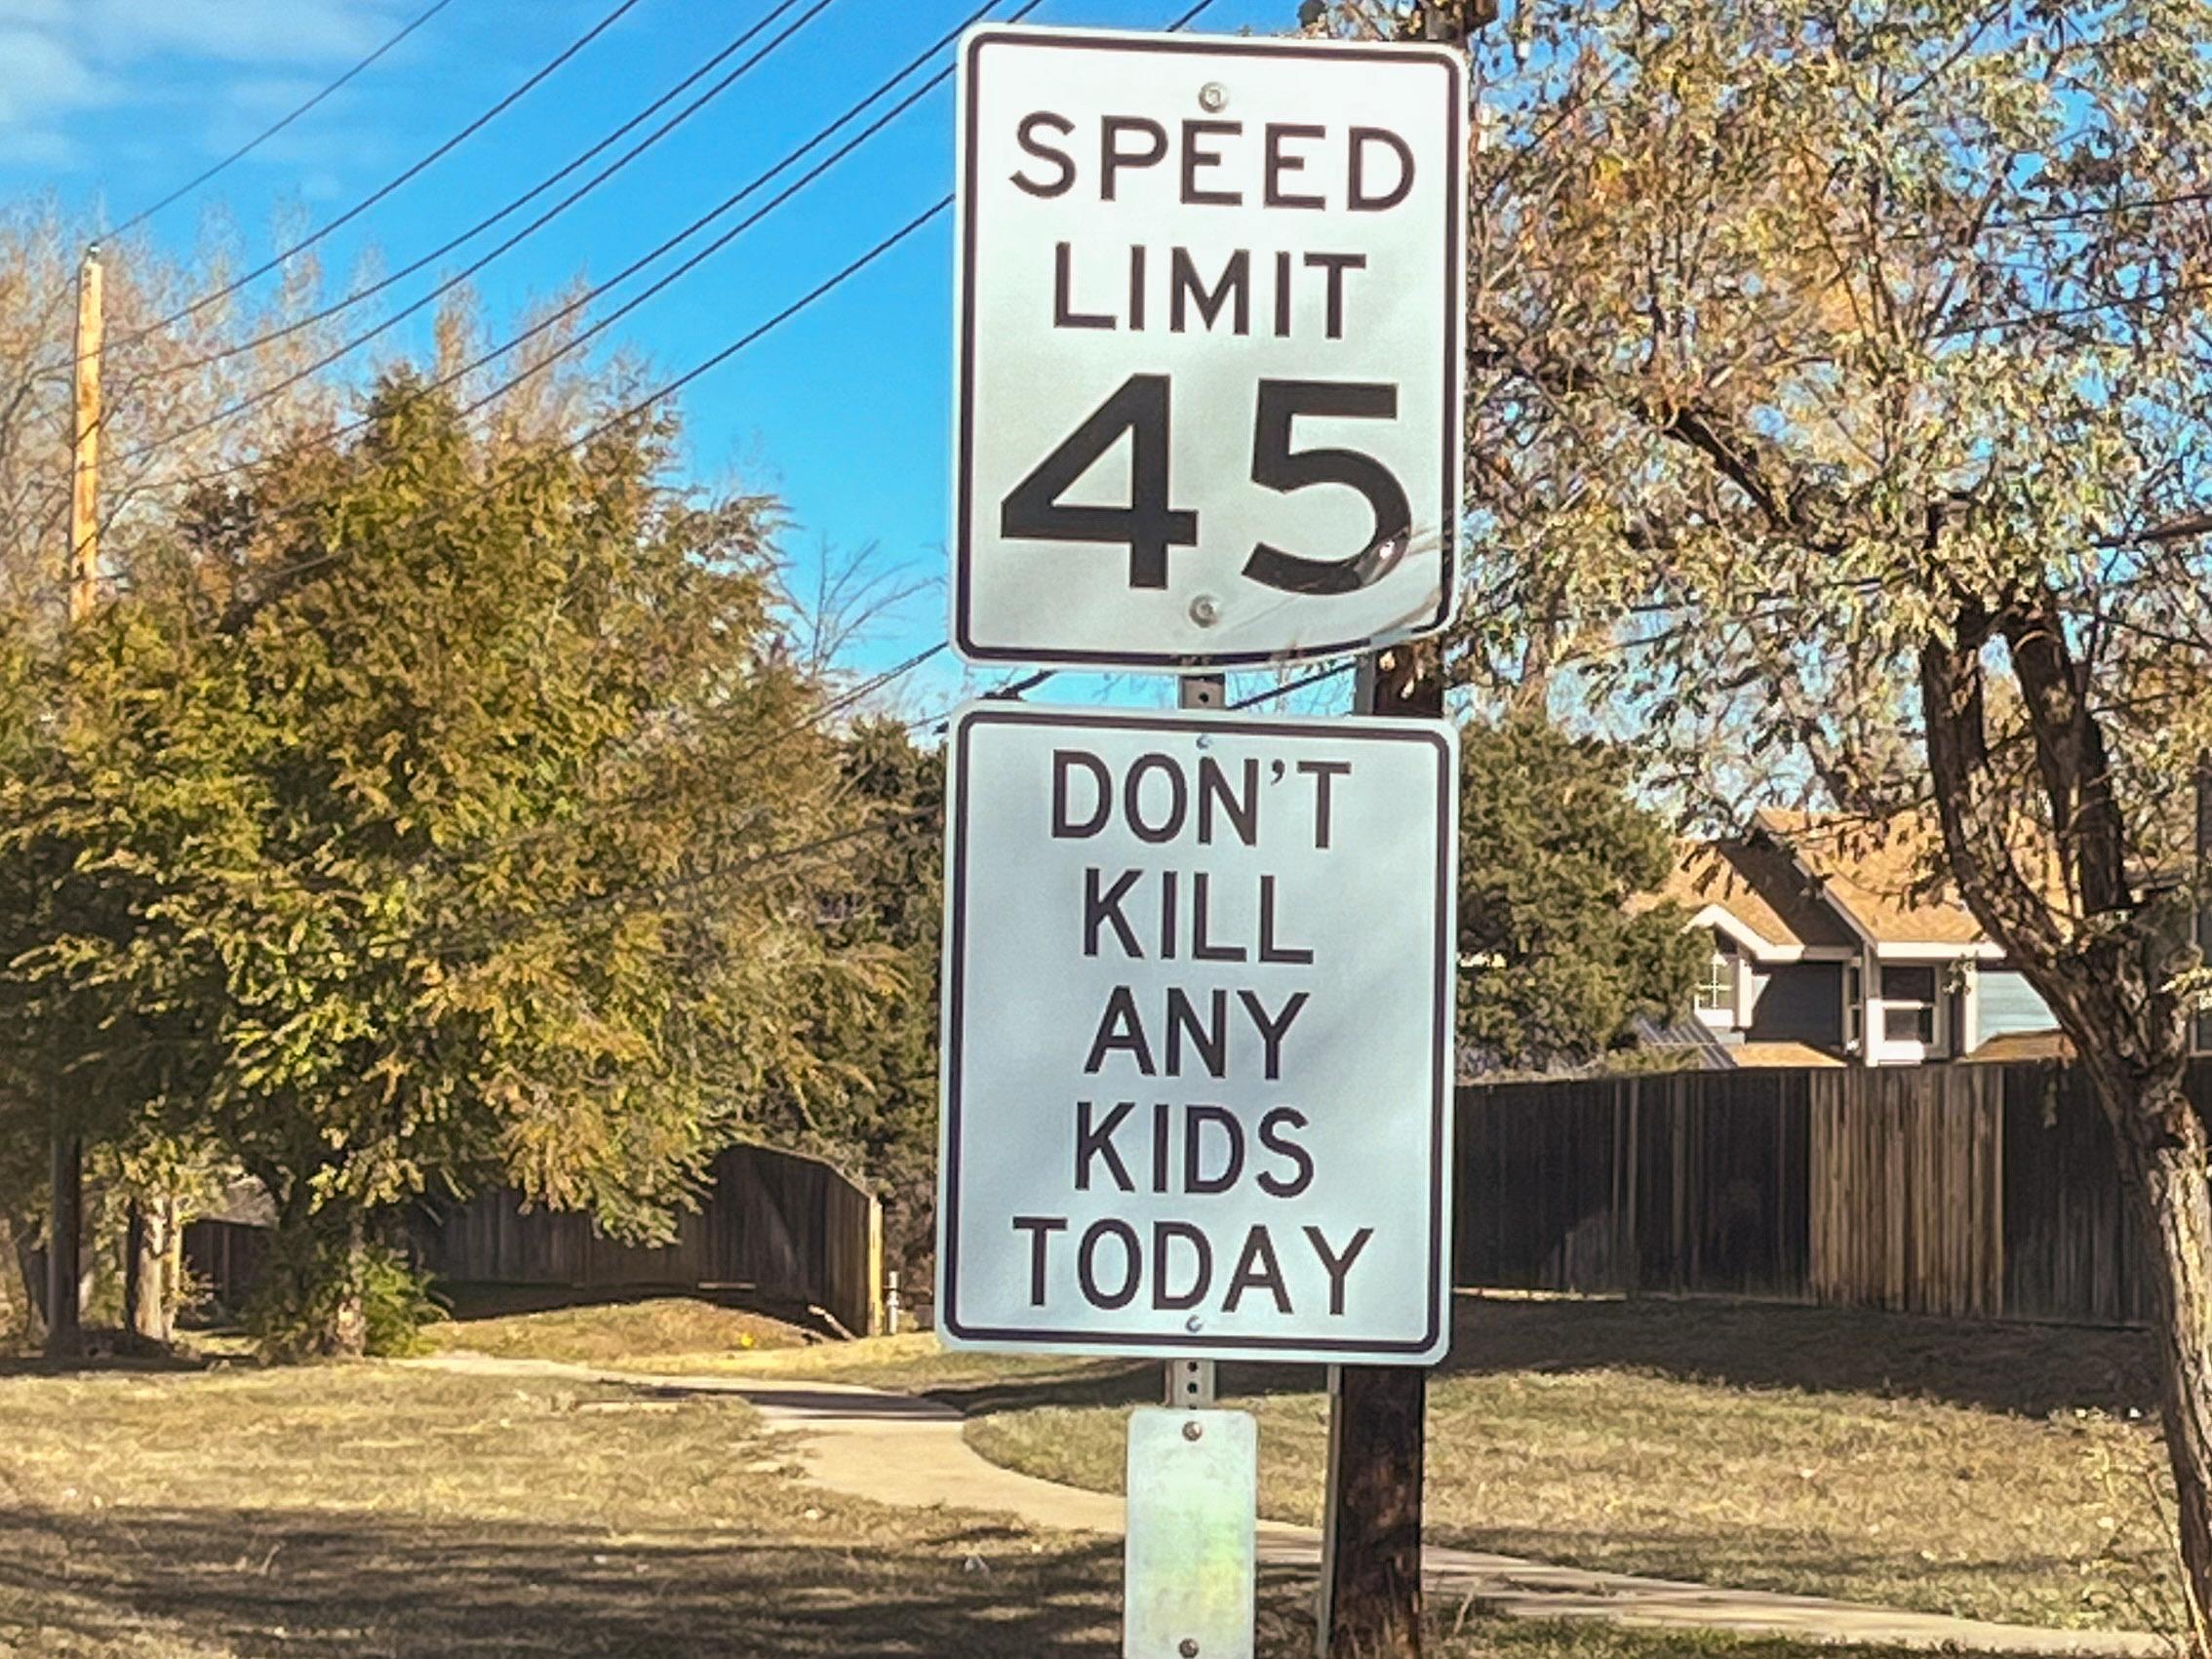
(254,1582)
(103,1364)
(2130,1589)
(2025,1370)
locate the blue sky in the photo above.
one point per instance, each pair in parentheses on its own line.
(111,104)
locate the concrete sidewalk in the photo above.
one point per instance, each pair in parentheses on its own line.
(900,1448)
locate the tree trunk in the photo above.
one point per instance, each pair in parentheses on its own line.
(64,1252)
(173,1279)
(145,1275)
(349,1323)
(308,1303)
(2163,1150)
(22,1269)
(2106,972)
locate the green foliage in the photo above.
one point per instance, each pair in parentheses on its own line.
(438,809)
(882,1121)
(1553,847)
(396,1305)
(324,1295)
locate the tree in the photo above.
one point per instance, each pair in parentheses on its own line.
(1837,387)
(1553,848)
(172,363)
(173,367)
(876,1111)
(441,808)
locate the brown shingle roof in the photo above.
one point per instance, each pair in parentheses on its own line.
(1753,881)
(2009,1048)
(1879,873)
(1754,1056)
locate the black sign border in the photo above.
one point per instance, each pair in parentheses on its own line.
(1455,257)
(967,720)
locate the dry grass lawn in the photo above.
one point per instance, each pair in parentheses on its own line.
(1990,1473)
(1994,1472)
(370,1511)
(667,1333)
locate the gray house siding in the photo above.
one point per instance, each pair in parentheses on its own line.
(2010,1004)
(1800,1002)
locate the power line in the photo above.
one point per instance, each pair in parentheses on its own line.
(2069,313)
(2099,210)
(555,318)
(658,792)
(468,939)
(1011,692)
(1319,677)
(644,404)
(737,44)
(608,21)
(267,133)
(661,283)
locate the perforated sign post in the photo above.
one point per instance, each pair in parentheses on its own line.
(1208,378)
(1197,1031)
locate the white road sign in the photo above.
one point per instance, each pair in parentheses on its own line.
(1209,369)
(1197,1034)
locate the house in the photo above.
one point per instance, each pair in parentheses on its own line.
(1828,936)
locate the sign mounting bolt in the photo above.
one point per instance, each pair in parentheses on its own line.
(1193,1430)
(1205,610)
(1188,1648)
(1213,96)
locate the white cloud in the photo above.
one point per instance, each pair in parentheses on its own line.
(59,59)
(237,31)
(42,81)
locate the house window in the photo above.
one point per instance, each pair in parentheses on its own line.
(1716,991)
(1854,1009)
(1909,1004)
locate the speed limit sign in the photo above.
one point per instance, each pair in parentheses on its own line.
(1208,377)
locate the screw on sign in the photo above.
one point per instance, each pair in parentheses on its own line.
(1208,389)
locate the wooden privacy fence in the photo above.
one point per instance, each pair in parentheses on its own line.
(1968,1190)
(776,1223)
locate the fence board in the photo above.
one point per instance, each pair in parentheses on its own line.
(1692,1182)
(773,1221)
(788,1226)
(1965,1190)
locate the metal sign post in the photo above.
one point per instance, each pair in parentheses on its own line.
(1199,968)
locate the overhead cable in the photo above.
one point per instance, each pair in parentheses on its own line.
(467,131)
(371,290)
(267,133)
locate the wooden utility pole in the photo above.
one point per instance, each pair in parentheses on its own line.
(64,1335)
(84,487)
(1370,1602)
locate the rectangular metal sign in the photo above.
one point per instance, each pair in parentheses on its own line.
(1209,298)
(1197,1034)
(1190,1557)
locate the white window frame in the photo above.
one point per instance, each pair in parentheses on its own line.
(1721,965)
(1927,1037)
